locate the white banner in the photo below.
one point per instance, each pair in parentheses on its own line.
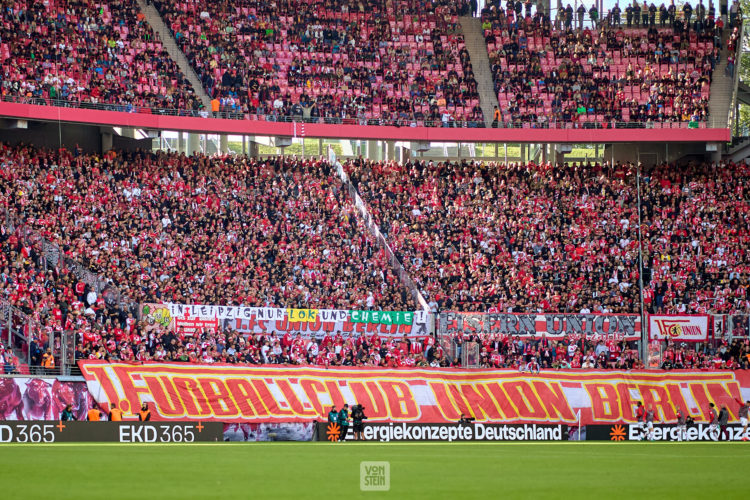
(315,323)
(685,328)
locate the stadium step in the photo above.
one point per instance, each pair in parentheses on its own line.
(723,88)
(480,63)
(174,51)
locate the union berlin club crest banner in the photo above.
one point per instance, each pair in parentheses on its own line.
(684,328)
(314,323)
(255,394)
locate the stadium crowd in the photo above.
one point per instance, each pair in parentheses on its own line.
(275,233)
(278,232)
(403,62)
(353,62)
(486,237)
(547,74)
(155,343)
(475,237)
(95,54)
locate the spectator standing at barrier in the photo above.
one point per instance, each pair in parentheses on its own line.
(636,14)
(581,12)
(742,414)
(687,10)
(615,15)
(594,15)
(723,421)
(115,414)
(672,13)
(94,415)
(145,414)
(48,361)
(343,419)
(10,363)
(35,354)
(733,11)
(67,414)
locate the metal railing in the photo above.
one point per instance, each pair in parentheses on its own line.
(732,326)
(404,123)
(54,256)
(15,329)
(382,242)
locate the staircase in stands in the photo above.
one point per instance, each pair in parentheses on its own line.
(723,88)
(162,30)
(480,63)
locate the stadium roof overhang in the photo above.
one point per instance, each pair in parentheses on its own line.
(359,132)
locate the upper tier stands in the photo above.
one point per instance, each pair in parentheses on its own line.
(91,52)
(400,62)
(525,237)
(555,77)
(354,62)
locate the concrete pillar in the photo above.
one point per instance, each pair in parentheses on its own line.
(106,141)
(405,155)
(223,144)
(391,150)
(320,147)
(128,132)
(552,154)
(181,142)
(373,150)
(252,149)
(193,144)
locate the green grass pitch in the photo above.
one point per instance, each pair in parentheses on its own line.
(331,470)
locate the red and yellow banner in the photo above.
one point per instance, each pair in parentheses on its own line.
(231,393)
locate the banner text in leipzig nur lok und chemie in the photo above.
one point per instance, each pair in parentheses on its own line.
(230,393)
(315,323)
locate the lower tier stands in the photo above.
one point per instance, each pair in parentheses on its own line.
(526,237)
(164,227)
(281,232)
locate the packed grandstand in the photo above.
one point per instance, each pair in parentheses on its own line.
(281,232)
(403,62)
(598,237)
